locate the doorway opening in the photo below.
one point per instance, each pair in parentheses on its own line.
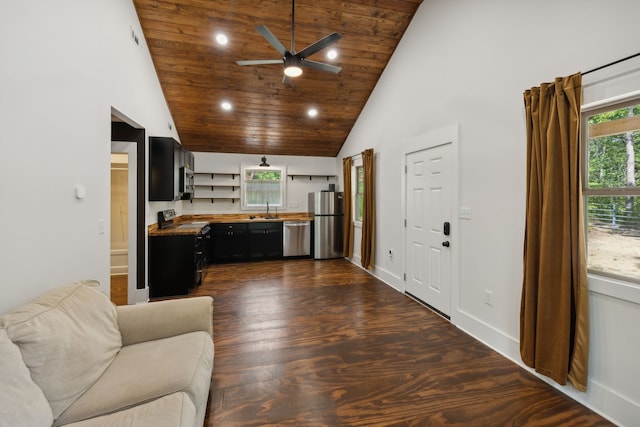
(119,227)
(128,229)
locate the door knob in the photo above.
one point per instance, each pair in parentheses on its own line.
(445,244)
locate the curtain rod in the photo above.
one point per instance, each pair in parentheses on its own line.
(611,63)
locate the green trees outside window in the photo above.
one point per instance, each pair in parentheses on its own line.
(612,197)
(359,192)
(262,187)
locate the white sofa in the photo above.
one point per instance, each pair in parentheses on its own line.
(70,357)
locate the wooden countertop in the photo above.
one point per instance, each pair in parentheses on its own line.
(172,231)
(222,218)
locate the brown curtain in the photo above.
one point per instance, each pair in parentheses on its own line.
(554,312)
(347,236)
(368,210)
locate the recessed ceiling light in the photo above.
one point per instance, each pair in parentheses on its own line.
(312,112)
(332,54)
(222,39)
(226,106)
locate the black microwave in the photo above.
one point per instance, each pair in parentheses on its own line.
(186,184)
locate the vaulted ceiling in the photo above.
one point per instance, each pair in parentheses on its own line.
(268,116)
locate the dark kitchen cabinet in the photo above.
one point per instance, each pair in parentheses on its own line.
(229,242)
(166,160)
(246,241)
(265,240)
(176,263)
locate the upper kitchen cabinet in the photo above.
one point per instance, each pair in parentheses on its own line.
(170,170)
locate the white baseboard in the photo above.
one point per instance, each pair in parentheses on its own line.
(598,398)
(139,296)
(388,278)
(380,273)
(605,401)
(119,270)
(356,259)
(507,346)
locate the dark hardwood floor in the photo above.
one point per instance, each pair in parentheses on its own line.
(323,343)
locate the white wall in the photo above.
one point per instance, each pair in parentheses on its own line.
(297,189)
(65,64)
(468,63)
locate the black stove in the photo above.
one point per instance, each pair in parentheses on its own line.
(177,261)
(165,218)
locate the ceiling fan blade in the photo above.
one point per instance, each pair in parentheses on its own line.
(319,45)
(321,66)
(260,62)
(273,41)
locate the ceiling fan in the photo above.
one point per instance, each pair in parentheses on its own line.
(291,60)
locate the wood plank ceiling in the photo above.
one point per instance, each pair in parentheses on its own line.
(268,116)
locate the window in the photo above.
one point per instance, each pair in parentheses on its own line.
(359,193)
(611,174)
(262,187)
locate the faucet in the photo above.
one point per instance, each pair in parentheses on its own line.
(267,208)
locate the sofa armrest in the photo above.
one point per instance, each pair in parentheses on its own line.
(163,319)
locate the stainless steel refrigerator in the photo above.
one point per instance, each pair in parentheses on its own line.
(326,209)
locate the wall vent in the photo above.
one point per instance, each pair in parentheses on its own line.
(134,37)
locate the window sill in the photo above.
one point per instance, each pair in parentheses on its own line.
(614,288)
(357,224)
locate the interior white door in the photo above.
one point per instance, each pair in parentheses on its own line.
(428,243)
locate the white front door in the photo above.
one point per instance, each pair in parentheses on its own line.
(428,242)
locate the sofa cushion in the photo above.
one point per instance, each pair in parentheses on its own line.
(174,410)
(22,403)
(146,371)
(68,337)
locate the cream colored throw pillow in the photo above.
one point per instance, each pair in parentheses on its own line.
(68,337)
(22,403)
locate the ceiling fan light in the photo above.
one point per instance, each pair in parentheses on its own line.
(293,71)
(292,65)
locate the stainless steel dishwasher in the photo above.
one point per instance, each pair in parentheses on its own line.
(296,238)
